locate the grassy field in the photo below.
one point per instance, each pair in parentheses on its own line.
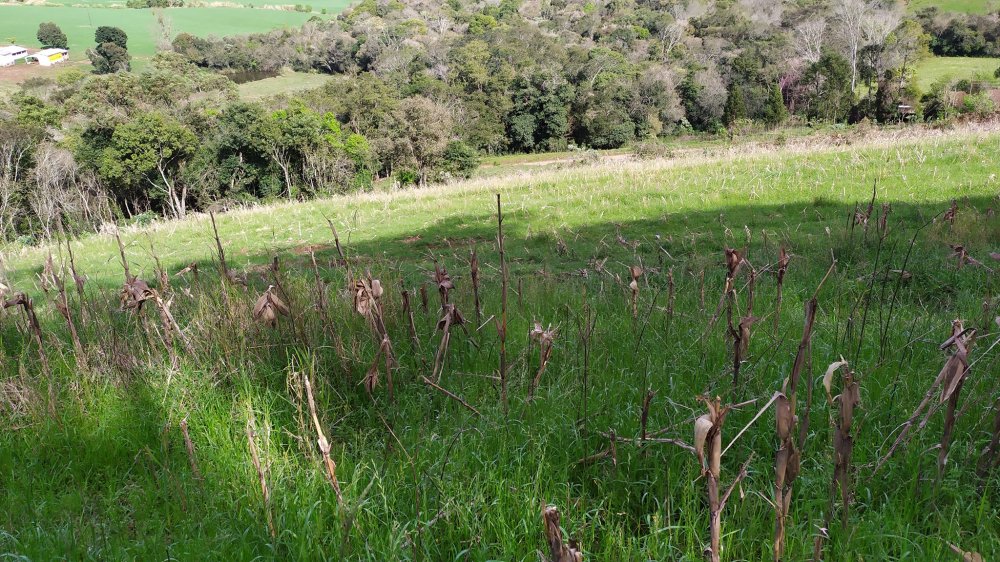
(958,6)
(287,83)
(108,475)
(935,69)
(19,24)
(331,6)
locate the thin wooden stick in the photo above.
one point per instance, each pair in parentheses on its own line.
(502,325)
(255,457)
(189,445)
(449,394)
(324,445)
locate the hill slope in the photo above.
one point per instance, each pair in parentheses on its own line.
(189,435)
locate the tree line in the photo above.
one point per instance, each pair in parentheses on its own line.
(419,89)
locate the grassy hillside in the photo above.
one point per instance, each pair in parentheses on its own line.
(108,475)
(287,83)
(935,69)
(958,6)
(20,23)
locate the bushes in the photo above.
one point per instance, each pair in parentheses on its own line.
(459,159)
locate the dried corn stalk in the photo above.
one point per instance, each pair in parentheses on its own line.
(189,446)
(410,325)
(843,446)
(991,454)
(783,260)
(443,282)
(26,304)
(786,469)
(451,317)
(843,442)
(324,445)
(134,293)
(545,339)
(268,307)
(251,432)
(559,551)
(883,220)
(708,433)
(957,367)
(950,378)
(368,303)
(474,273)
(962,256)
(741,343)
(671,296)
(952,213)
(62,305)
(734,263)
(636,272)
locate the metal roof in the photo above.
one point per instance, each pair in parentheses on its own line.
(46,52)
(10,50)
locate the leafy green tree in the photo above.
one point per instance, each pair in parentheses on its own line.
(735,108)
(459,159)
(828,88)
(108,58)
(108,34)
(420,134)
(51,35)
(539,119)
(145,156)
(775,111)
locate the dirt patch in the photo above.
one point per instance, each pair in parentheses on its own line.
(307,249)
(20,72)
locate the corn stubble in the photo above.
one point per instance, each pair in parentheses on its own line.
(365,297)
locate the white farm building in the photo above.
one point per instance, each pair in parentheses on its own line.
(11,54)
(48,57)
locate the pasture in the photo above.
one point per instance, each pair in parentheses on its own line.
(19,24)
(193,434)
(936,69)
(958,6)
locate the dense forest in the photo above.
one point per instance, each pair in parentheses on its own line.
(420,89)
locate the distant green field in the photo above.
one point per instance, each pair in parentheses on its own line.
(960,6)
(332,6)
(18,24)
(933,69)
(287,83)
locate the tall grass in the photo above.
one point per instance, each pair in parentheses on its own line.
(422,476)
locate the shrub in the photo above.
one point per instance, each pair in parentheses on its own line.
(144,218)
(407,177)
(460,159)
(651,149)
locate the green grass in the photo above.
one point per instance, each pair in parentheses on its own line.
(20,23)
(425,479)
(957,6)
(935,69)
(287,83)
(332,6)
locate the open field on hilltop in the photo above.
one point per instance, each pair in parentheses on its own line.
(935,69)
(331,6)
(958,6)
(96,465)
(287,83)
(19,24)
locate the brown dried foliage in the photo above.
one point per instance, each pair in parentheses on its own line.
(545,337)
(269,307)
(950,379)
(559,551)
(708,433)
